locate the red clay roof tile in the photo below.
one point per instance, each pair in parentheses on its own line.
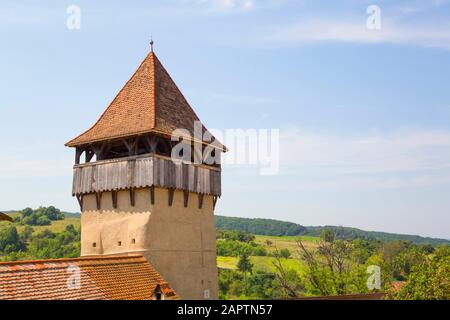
(105,278)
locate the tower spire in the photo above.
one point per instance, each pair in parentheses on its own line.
(151,43)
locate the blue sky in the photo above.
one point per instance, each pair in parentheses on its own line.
(364,114)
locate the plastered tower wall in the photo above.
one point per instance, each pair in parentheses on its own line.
(179,241)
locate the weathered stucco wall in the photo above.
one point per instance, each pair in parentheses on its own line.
(179,242)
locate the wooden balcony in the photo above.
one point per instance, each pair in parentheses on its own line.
(147,170)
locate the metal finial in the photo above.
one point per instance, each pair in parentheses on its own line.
(151,43)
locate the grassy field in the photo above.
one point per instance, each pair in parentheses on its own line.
(287,242)
(261,264)
(56,226)
(266,264)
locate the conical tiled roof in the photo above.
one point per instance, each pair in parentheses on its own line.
(150,102)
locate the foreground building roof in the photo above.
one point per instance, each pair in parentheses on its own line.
(99,278)
(150,102)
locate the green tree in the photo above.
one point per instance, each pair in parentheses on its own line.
(430,280)
(285,253)
(27,233)
(327,235)
(41,216)
(53,213)
(245,266)
(10,241)
(26,212)
(43,221)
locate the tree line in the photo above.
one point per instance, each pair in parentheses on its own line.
(272,227)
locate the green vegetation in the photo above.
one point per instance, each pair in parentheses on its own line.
(259,226)
(308,266)
(271,227)
(261,264)
(266,266)
(237,243)
(257,285)
(39,217)
(430,279)
(43,233)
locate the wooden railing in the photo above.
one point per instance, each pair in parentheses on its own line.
(145,171)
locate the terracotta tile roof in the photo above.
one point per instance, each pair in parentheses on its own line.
(5,217)
(101,278)
(150,102)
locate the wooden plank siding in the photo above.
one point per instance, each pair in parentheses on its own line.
(145,171)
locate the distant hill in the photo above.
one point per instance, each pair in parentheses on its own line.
(71,214)
(351,233)
(272,227)
(67,214)
(266,227)
(8,211)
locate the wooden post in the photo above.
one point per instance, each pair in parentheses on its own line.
(89,154)
(98,150)
(150,143)
(132,197)
(200,200)
(114,199)
(152,195)
(78,153)
(171,192)
(131,144)
(80,201)
(98,199)
(215,201)
(186,198)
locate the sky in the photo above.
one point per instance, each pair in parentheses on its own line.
(363,113)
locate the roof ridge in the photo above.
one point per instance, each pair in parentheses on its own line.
(153,76)
(59,260)
(178,89)
(151,55)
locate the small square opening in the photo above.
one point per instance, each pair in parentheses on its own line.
(119,243)
(94,244)
(133,241)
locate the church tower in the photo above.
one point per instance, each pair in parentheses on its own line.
(135,198)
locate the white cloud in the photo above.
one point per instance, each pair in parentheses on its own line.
(418,6)
(222,5)
(317,30)
(407,158)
